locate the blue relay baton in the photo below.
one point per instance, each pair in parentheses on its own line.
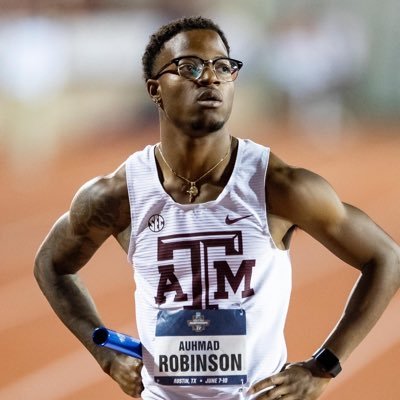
(117,341)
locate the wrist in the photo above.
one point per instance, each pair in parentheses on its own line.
(104,358)
(312,366)
(327,362)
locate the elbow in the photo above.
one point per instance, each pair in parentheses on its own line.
(384,269)
(41,269)
(37,268)
(391,263)
(396,266)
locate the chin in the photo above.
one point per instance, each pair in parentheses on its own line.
(207,126)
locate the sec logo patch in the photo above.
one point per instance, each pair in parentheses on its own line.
(156,223)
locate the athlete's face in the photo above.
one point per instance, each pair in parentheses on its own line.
(195,106)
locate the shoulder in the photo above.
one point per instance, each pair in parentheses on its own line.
(102,202)
(109,186)
(300,195)
(291,179)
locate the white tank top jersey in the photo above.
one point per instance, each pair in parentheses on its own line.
(212,288)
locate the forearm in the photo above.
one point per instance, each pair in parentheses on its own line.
(372,293)
(73,304)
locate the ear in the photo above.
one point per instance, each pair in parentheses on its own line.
(153,89)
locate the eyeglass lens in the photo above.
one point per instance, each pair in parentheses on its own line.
(192,68)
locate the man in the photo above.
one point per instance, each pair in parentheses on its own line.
(206,220)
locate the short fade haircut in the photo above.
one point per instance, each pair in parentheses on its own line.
(168,31)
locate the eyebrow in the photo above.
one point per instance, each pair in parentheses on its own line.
(194,55)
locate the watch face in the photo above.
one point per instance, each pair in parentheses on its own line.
(328,361)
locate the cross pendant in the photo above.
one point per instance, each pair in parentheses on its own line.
(192,191)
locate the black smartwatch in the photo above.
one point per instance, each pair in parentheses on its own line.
(327,361)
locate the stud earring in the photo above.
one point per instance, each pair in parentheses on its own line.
(157,101)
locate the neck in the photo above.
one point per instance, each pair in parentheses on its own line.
(192,180)
(192,156)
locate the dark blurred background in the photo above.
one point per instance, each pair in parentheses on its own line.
(73,67)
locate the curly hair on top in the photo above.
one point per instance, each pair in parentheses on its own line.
(168,31)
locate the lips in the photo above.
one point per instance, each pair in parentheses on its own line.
(210,95)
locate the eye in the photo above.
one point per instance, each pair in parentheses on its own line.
(224,67)
(190,68)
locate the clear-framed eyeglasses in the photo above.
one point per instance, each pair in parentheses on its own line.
(192,67)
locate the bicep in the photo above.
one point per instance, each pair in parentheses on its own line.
(66,249)
(99,209)
(309,202)
(355,238)
(77,235)
(345,230)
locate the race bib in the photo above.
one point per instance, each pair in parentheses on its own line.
(200,347)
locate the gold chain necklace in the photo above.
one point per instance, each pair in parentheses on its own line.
(193,190)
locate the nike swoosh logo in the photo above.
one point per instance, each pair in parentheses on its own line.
(230,221)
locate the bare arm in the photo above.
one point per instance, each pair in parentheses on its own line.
(99,209)
(307,201)
(352,236)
